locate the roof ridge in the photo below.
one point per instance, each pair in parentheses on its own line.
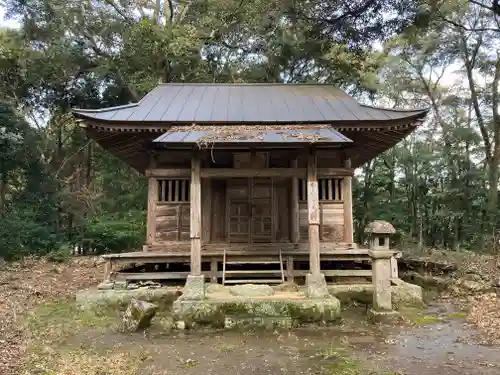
(107,109)
(427,109)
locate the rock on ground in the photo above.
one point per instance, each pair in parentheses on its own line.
(138,315)
(252,290)
(406,294)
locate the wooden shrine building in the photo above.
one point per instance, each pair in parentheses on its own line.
(255,172)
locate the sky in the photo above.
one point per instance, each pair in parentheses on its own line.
(4,22)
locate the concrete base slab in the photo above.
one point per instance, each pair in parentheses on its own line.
(194,290)
(316,286)
(265,312)
(383,316)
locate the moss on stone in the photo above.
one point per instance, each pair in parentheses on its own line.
(214,314)
(406,294)
(119,299)
(403,294)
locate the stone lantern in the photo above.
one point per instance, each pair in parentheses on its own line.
(379,232)
(384,267)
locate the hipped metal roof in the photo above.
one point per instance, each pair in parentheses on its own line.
(245,103)
(179,110)
(318,135)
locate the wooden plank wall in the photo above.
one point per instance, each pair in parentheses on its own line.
(218,229)
(172,222)
(281,214)
(173,218)
(331,224)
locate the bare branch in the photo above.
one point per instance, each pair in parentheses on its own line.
(118,10)
(495,6)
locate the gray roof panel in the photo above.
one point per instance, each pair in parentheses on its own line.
(312,135)
(161,106)
(246,103)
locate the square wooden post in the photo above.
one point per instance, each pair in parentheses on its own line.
(313,213)
(347,196)
(315,280)
(195,282)
(294,208)
(195,215)
(152,199)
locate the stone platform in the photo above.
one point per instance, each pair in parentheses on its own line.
(277,311)
(248,306)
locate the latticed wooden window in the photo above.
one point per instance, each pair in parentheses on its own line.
(329,189)
(173,190)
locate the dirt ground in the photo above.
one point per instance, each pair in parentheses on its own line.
(42,332)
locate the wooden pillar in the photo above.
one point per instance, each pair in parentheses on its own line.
(347,196)
(313,212)
(289,269)
(214,268)
(294,207)
(195,214)
(206,209)
(152,199)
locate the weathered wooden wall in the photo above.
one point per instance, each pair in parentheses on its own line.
(173,215)
(172,222)
(331,226)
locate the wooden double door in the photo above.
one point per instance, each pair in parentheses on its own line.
(250,211)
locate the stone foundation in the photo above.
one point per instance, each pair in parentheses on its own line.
(316,286)
(94,298)
(251,306)
(403,294)
(265,312)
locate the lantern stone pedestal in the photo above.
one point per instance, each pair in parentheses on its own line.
(382,270)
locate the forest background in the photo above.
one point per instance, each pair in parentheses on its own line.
(58,189)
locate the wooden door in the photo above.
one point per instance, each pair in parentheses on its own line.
(250,211)
(262,210)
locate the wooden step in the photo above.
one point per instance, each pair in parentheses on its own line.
(253,262)
(256,281)
(122,276)
(251,272)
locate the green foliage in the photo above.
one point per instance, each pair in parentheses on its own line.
(438,187)
(21,233)
(60,255)
(115,233)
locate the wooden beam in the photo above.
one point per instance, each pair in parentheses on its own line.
(195,223)
(247,172)
(168,173)
(294,207)
(251,172)
(347,197)
(340,273)
(313,212)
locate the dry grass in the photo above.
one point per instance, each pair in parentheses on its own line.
(254,133)
(485,314)
(53,342)
(24,285)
